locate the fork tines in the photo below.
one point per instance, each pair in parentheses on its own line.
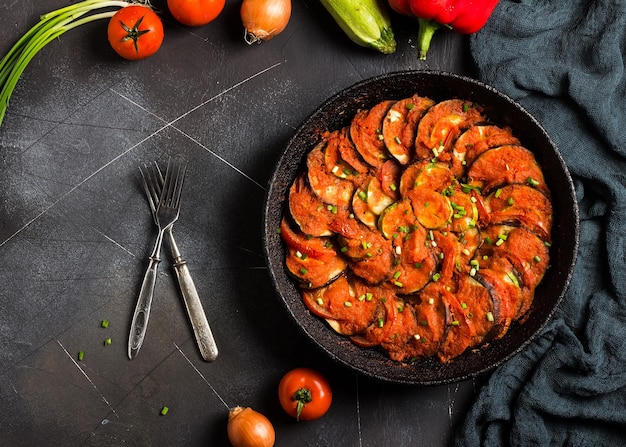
(173,184)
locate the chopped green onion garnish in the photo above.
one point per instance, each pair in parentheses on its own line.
(513,278)
(532,182)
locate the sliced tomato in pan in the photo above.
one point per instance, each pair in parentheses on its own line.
(402,344)
(307,245)
(312,272)
(431,315)
(389,176)
(521,205)
(460,333)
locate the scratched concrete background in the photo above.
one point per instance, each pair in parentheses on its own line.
(75,233)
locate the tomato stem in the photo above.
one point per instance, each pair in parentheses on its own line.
(302,396)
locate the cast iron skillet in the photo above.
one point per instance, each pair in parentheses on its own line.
(337,112)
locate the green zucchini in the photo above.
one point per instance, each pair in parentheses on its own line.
(366,22)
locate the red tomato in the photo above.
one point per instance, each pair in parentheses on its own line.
(195,12)
(135,32)
(304,394)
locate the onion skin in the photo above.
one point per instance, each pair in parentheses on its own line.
(249,428)
(264,19)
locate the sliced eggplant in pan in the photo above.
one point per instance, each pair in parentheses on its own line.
(327,186)
(400,126)
(505,165)
(338,303)
(366,133)
(476,140)
(307,209)
(440,126)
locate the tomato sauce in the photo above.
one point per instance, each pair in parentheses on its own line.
(419,229)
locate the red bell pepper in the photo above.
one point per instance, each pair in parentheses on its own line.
(463,16)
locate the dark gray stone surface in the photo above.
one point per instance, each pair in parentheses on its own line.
(75,233)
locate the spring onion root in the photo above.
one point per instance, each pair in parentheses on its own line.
(49,27)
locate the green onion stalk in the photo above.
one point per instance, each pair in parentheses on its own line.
(49,27)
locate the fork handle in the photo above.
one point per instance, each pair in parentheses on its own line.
(142,309)
(199,322)
(197,317)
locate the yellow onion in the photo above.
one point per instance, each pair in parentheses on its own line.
(263,19)
(249,428)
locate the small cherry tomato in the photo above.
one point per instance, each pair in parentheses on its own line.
(304,394)
(195,12)
(135,32)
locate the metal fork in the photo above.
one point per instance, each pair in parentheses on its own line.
(166,214)
(153,183)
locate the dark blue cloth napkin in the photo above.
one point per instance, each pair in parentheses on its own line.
(564,61)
